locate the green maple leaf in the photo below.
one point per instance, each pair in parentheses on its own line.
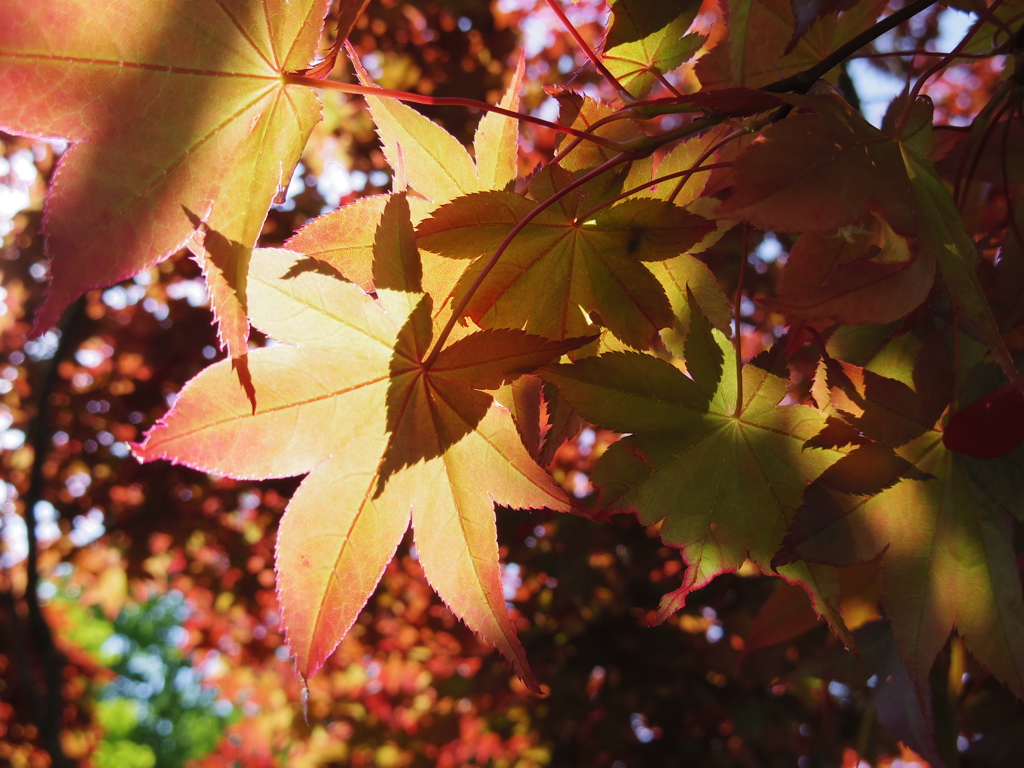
(723,481)
(936,517)
(560,263)
(648,40)
(947,554)
(686,273)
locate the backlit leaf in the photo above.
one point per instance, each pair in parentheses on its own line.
(990,427)
(171,109)
(861,275)
(436,165)
(382,436)
(497,139)
(778,183)
(947,558)
(559,264)
(648,40)
(779,179)
(724,484)
(344,238)
(807,12)
(759,48)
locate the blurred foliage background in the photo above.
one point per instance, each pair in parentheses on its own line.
(158,582)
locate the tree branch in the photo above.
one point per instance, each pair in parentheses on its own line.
(49,704)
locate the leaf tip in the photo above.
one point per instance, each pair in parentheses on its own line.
(526,677)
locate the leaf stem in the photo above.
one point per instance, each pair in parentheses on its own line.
(587,50)
(737,342)
(665,82)
(460,307)
(297,78)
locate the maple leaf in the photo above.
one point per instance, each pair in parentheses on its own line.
(562,260)
(859,275)
(345,238)
(780,177)
(762,46)
(435,164)
(686,279)
(647,40)
(171,109)
(990,427)
(948,561)
(778,184)
(936,517)
(382,435)
(723,481)
(807,12)
(686,273)
(682,158)
(583,113)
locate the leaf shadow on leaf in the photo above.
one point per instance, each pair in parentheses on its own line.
(424,419)
(309,264)
(114,208)
(885,409)
(216,247)
(219,250)
(865,472)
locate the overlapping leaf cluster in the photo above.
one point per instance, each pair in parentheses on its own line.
(404,320)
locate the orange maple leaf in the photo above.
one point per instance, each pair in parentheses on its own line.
(177,114)
(383,435)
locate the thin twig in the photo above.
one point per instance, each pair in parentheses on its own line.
(921,52)
(587,50)
(938,66)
